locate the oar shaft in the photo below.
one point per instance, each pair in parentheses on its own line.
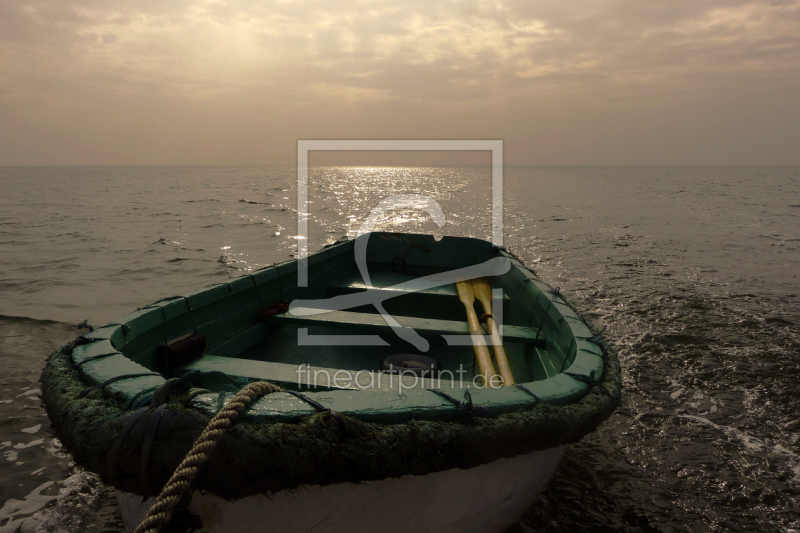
(482,356)
(503,366)
(483,292)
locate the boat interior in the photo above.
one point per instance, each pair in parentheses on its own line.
(336,334)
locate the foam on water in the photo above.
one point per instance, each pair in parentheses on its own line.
(82,503)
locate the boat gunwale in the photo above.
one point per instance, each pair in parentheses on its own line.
(371,405)
(310,448)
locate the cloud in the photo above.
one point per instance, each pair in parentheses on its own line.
(320,60)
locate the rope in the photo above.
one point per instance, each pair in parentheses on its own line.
(180,483)
(147,445)
(181,389)
(399,265)
(76,366)
(539,400)
(590,380)
(136,400)
(465,409)
(597,337)
(81,340)
(322,409)
(112,454)
(108,382)
(402,258)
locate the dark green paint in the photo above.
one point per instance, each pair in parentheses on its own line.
(242,345)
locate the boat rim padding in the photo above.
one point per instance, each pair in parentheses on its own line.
(254,458)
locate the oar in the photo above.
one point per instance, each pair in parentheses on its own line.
(483,292)
(485,366)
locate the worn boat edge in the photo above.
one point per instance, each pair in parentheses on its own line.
(313,451)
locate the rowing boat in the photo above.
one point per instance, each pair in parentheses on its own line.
(420,384)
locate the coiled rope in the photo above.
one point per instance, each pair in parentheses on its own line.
(180,483)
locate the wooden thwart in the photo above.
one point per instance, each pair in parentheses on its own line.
(393,283)
(423,326)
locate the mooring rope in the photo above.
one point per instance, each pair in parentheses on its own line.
(465,409)
(180,483)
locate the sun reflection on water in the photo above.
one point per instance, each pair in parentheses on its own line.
(345,196)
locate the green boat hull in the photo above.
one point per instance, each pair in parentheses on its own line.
(347,422)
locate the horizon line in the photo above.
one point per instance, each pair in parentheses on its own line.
(74,165)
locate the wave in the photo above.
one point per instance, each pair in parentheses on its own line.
(254,202)
(752,443)
(12,319)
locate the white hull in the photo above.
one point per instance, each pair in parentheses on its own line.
(486,498)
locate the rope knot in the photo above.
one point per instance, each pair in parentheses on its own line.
(322,409)
(465,409)
(161,394)
(81,340)
(596,338)
(590,380)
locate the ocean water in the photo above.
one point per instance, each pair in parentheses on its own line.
(694,271)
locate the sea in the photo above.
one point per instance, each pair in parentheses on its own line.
(693,271)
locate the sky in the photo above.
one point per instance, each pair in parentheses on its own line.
(578,82)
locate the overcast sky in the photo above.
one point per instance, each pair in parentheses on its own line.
(239,82)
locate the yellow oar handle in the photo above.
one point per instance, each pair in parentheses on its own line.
(482,291)
(485,366)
